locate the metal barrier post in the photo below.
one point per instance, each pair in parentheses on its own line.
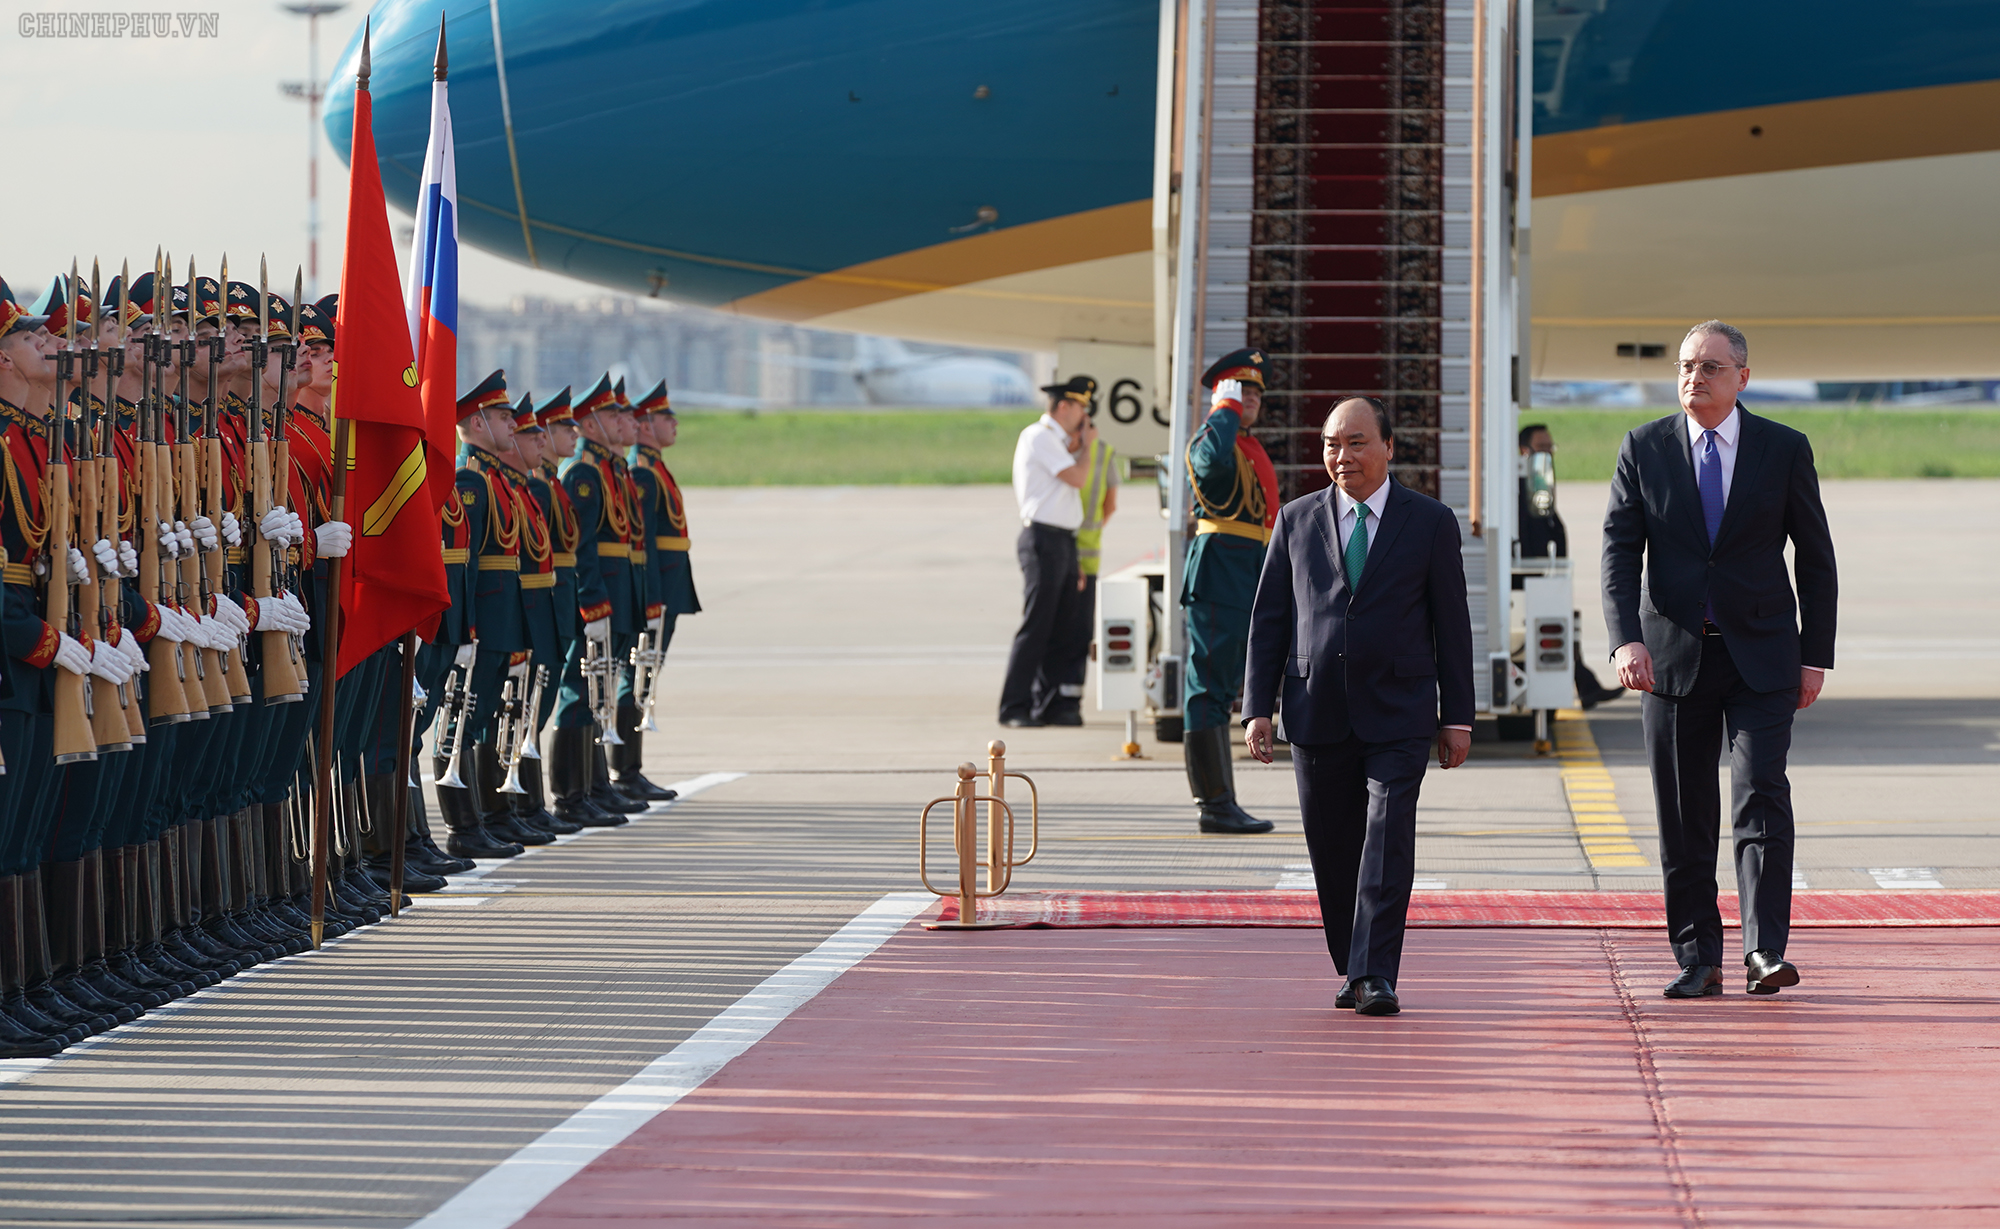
(965,800)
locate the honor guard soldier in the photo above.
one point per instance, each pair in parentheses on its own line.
(497,625)
(547,651)
(669,582)
(1235,491)
(578,593)
(600,490)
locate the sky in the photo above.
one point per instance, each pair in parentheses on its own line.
(192,122)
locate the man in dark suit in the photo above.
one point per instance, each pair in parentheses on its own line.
(1707,498)
(1361,639)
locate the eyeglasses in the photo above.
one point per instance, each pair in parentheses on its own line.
(1709,368)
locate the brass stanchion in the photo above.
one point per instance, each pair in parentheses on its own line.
(1000,861)
(965,802)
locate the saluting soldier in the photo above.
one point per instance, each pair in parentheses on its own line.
(1235,491)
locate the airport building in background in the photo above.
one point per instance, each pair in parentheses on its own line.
(714,359)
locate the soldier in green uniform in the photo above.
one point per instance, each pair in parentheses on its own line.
(579,594)
(539,608)
(669,581)
(594,478)
(498,627)
(1235,492)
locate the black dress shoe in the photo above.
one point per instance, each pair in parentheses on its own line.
(637,786)
(1696,981)
(1071,719)
(1769,972)
(1022,723)
(1345,999)
(1374,996)
(1226,817)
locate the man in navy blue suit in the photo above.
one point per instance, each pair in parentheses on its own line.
(1361,641)
(1706,501)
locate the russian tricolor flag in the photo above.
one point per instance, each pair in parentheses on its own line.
(431,292)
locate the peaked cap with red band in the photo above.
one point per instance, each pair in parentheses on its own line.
(654,402)
(491,393)
(1244,366)
(600,397)
(555,409)
(524,414)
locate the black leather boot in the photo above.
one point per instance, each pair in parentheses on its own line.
(104,933)
(153,921)
(569,768)
(602,791)
(422,838)
(1212,778)
(24,1032)
(468,839)
(497,809)
(60,902)
(626,759)
(532,808)
(185,940)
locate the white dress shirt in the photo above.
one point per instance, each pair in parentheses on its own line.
(1040,454)
(1727,433)
(1343,526)
(1344,523)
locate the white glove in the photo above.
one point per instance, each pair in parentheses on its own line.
(232,533)
(128,644)
(231,616)
(464,657)
(128,560)
(79,568)
(598,630)
(214,636)
(276,525)
(72,656)
(170,542)
(333,539)
(1230,391)
(282,614)
(107,663)
(203,528)
(173,624)
(296,533)
(107,557)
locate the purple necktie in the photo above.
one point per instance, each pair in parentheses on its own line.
(1709,477)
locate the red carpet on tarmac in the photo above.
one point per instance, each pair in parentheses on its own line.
(1539,909)
(1176,1078)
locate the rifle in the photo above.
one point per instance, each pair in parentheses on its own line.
(235,677)
(107,721)
(281,463)
(111,496)
(167,697)
(73,741)
(213,687)
(281,677)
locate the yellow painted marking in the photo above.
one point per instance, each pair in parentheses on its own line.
(1601,829)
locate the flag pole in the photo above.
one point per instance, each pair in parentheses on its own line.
(329,646)
(406,720)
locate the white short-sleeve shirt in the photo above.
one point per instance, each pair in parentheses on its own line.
(1040,454)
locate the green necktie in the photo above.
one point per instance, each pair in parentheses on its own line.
(1357,545)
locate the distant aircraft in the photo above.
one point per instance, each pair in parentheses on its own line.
(887,373)
(1821,171)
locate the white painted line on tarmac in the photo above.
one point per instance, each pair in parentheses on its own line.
(511,1189)
(1905,876)
(1799,883)
(16,1069)
(686,789)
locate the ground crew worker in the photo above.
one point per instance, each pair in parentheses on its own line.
(1099,499)
(1047,476)
(1235,492)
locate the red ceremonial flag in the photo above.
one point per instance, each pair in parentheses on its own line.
(395,574)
